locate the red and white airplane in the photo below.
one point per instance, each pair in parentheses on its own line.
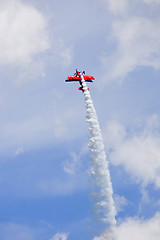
(77,78)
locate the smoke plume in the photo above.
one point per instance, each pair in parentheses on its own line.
(103,193)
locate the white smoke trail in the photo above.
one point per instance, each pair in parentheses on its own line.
(100,173)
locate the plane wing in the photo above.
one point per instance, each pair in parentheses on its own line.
(77,78)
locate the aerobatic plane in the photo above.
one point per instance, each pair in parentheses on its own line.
(77,78)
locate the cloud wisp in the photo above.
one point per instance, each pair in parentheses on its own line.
(135,229)
(60,236)
(136,40)
(138,153)
(23,33)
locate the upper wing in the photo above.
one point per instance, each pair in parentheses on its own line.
(88,78)
(74,78)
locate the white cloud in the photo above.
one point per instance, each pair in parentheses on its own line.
(138,153)
(116,7)
(120,202)
(25,35)
(137,45)
(135,37)
(70,166)
(60,236)
(135,229)
(22,32)
(105,236)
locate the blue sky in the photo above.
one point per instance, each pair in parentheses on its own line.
(44,156)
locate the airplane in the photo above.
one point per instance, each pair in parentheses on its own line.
(77,78)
